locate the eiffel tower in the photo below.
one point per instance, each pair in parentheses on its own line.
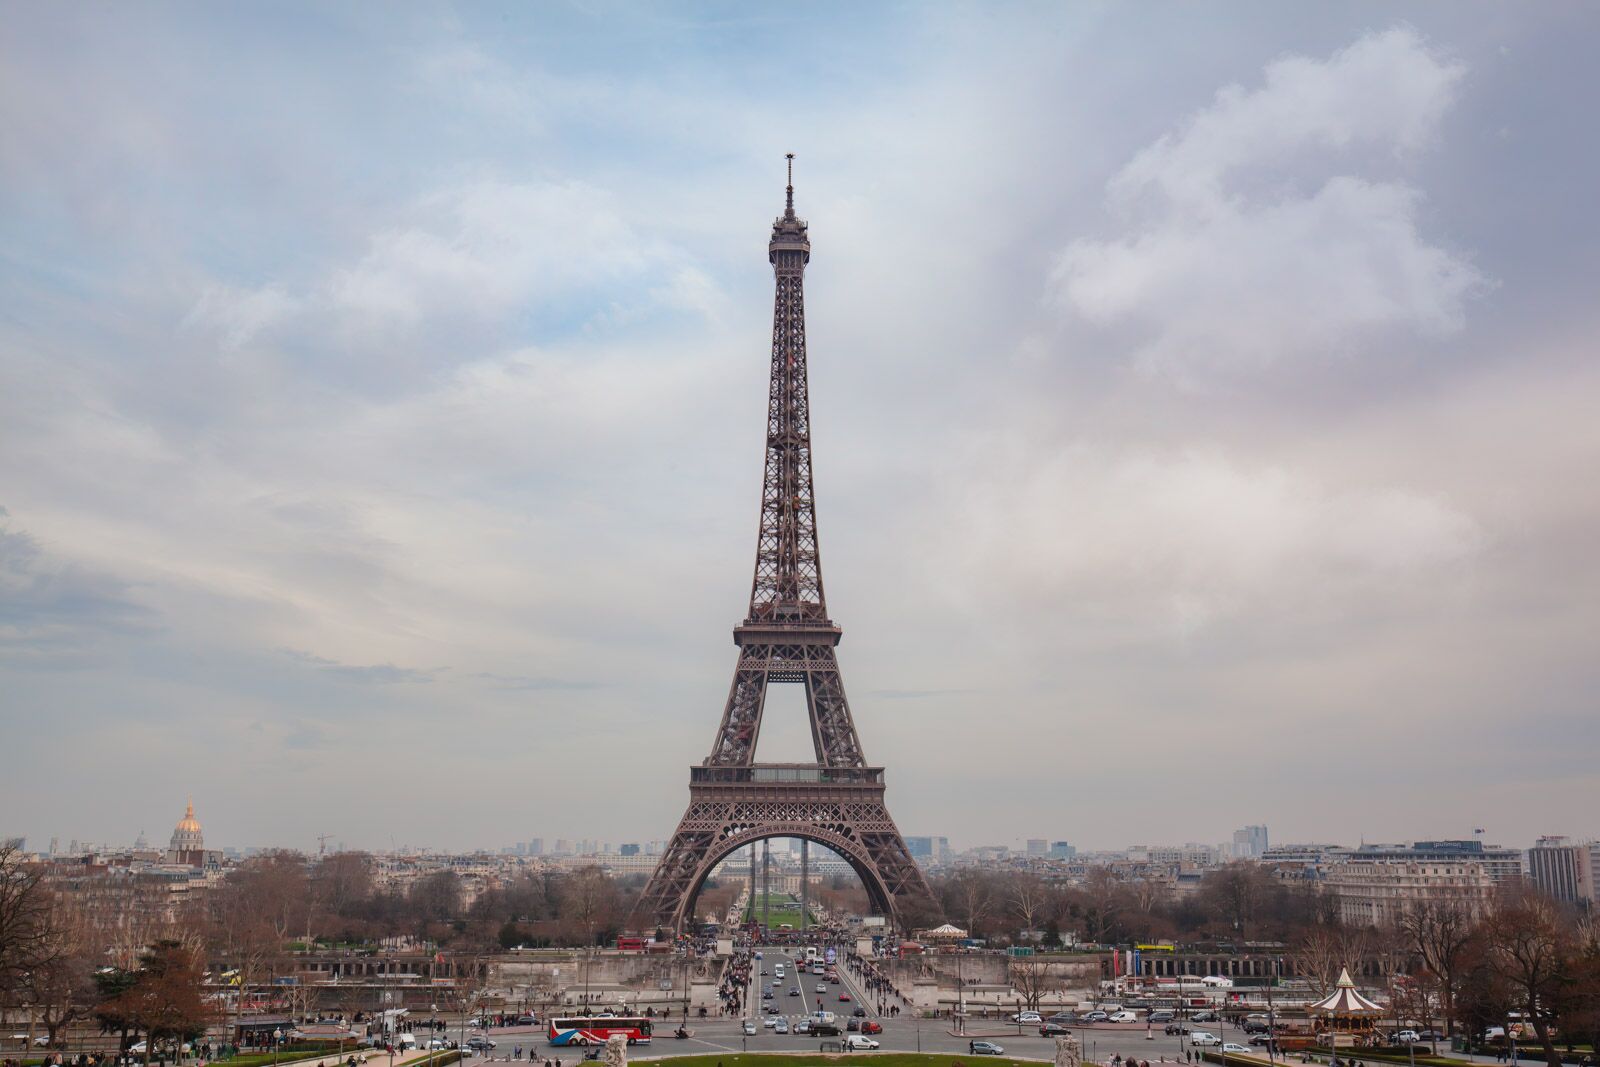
(836,801)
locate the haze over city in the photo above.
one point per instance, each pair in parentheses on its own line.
(1203,413)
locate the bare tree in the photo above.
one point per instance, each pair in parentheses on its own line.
(1441,934)
(1027,898)
(971,896)
(249,925)
(1033,980)
(589,903)
(1324,951)
(1104,895)
(1526,942)
(62,987)
(27,936)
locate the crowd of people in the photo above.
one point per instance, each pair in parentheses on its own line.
(876,982)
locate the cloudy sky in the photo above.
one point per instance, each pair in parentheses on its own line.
(1205,405)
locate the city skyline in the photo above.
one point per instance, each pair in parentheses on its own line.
(379,430)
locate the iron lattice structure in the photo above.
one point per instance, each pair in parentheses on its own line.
(787,637)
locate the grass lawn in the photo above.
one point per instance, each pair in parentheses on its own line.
(884,1059)
(780,908)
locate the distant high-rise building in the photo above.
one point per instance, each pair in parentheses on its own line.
(1250,842)
(1563,870)
(536,846)
(926,850)
(563,846)
(1062,850)
(629,849)
(1038,846)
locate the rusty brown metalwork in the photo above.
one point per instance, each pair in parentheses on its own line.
(787,637)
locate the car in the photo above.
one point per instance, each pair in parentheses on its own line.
(1261,1040)
(438,1043)
(853,1025)
(855,1042)
(844,998)
(1096,1016)
(527,1020)
(1063,1017)
(1027,1017)
(822,987)
(782,1027)
(1123,1017)
(480,1044)
(771,1021)
(1430,1035)
(1201,1038)
(1205,1017)
(859,1012)
(1234,1046)
(1049,1029)
(1257,1026)
(765,972)
(1405,1037)
(801,1026)
(794,992)
(766,994)
(1176,1028)
(984,1048)
(749,1028)
(870,1027)
(1162,1016)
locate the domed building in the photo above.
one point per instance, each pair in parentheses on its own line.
(188,844)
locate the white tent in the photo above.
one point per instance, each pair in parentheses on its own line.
(947,932)
(1346,1001)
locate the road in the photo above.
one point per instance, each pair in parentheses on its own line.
(902,1034)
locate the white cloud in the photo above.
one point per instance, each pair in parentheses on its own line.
(1185,537)
(236,315)
(1231,261)
(488,246)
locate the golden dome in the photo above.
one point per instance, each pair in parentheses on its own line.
(189,823)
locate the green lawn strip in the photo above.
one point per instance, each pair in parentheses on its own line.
(293,1055)
(882,1059)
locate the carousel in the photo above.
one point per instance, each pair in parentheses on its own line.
(1345,1017)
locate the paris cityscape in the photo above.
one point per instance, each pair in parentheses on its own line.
(1196,403)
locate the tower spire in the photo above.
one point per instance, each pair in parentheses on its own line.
(788,211)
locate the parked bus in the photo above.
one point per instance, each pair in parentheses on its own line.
(593,1030)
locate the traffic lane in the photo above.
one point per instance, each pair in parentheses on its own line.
(856,990)
(933,1035)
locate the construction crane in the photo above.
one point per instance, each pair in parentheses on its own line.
(322,843)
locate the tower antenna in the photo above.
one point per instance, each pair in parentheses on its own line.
(790,206)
